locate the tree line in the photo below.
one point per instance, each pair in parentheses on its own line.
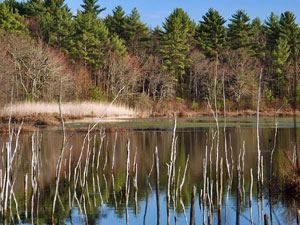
(42,43)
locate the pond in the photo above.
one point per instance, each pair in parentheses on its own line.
(109,176)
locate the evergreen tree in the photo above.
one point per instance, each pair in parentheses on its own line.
(91,37)
(155,40)
(116,23)
(57,24)
(210,37)
(175,46)
(259,40)
(210,34)
(240,32)
(10,19)
(20,6)
(62,31)
(54,5)
(91,7)
(90,42)
(280,56)
(290,31)
(175,42)
(34,8)
(137,33)
(118,46)
(272,28)
(54,22)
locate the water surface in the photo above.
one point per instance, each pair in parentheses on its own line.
(100,193)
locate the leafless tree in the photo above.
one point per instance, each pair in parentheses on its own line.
(157,83)
(38,68)
(200,77)
(6,71)
(241,76)
(119,72)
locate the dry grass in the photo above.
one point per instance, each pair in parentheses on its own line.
(84,109)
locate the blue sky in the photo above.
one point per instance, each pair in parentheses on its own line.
(154,12)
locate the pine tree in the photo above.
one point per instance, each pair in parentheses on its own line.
(116,23)
(54,22)
(175,42)
(137,33)
(57,24)
(210,37)
(10,20)
(15,5)
(290,31)
(259,41)
(90,42)
(277,58)
(155,40)
(90,6)
(280,56)
(90,39)
(34,8)
(118,46)
(210,34)
(272,31)
(175,46)
(240,32)
(54,5)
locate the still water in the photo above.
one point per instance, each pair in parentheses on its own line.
(95,193)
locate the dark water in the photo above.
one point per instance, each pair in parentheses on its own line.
(101,200)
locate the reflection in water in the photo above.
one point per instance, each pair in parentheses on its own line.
(108,188)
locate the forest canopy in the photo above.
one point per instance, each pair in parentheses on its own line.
(42,43)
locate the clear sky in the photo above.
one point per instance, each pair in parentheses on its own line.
(154,12)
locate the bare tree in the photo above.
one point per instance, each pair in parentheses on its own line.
(6,71)
(122,71)
(82,81)
(241,75)
(38,69)
(200,76)
(157,83)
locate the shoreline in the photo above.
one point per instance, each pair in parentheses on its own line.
(32,121)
